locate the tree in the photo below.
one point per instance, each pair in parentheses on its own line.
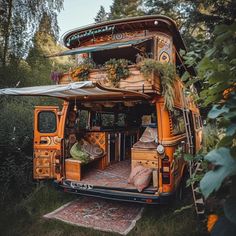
(44,43)
(101,15)
(19,20)
(23,25)
(194,17)
(125,8)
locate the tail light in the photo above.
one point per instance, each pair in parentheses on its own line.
(165,170)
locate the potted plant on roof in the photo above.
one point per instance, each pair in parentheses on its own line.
(116,69)
(81,73)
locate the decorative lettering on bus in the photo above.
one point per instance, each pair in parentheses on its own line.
(92,32)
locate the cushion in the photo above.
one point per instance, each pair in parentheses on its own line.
(92,149)
(77,153)
(135,171)
(142,180)
(149,135)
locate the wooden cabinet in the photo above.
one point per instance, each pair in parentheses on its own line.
(145,163)
(73,169)
(147,158)
(144,154)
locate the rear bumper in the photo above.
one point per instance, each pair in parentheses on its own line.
(118,195)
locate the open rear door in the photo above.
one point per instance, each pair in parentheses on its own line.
(47,144)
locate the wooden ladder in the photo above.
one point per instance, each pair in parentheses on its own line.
(194,167)
(199,203)
(187,124)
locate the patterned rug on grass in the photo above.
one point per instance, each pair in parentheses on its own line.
(99,214)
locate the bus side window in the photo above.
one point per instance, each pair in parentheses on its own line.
(177,117)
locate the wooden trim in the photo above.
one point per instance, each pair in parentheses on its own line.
(173,140)
(124,92)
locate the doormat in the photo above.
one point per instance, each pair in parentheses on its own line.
(99,214)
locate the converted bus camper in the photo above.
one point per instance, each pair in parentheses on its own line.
(117,140)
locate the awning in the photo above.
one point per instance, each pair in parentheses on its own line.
(100,47)
(85,90)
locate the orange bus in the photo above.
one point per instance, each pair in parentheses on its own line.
(117,141)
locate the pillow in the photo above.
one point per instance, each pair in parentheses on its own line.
(149,135)
(79,154)
(142,180)
(92,149)
(135,171)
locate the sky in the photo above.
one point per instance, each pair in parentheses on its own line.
(78,13)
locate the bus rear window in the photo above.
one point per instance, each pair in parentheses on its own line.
(47,122)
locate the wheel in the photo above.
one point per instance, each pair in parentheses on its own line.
(181,190)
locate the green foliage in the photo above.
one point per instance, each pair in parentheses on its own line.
(210,137)
(216,111)
(125,8)
(19,21)
(194,18)
(16,142)
(82,70)
(218,72)
(224,166)
(101,15)
(117,69)
(16,121)
(217,69)
(44,43)
(167,75)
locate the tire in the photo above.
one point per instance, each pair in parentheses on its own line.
(181,190)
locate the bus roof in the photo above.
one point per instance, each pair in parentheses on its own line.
(159,22)
(79,37)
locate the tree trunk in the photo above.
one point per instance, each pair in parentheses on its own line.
(7,32)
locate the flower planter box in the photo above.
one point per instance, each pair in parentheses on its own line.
(135,82)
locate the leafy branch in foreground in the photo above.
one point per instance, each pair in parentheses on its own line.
(218,71)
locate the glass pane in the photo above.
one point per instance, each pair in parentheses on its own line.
(120,120)
(83,119)
(107,120)
(177,121)
(47,122)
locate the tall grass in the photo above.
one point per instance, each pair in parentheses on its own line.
(25,218)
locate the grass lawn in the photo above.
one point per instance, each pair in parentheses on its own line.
(25,218)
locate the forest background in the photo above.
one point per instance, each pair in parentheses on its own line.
(29,31)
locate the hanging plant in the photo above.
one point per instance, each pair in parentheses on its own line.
(81,73)
(167,75)
(117,69)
